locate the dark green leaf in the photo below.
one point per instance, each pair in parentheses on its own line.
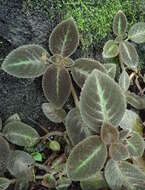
(64,38)
(137,32)
(4,183)
(54,115)
(56,85)
(135,145)
(21,163)
(128,55)
(28,61)
(76,129)
(124,174)
(110,49)
(86,158)
(82,68)
(136,101)
(21,183)
(100,97)
(4,154)
(129,120)
(110,69)
(118,152)
(119,23)
(124,81)
(0,124)
(96,182)
(21,134)
(109,134)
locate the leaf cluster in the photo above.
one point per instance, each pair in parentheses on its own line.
(103,137)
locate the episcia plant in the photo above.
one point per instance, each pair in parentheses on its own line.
(104,143)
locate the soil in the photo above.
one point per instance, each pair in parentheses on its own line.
(25,96)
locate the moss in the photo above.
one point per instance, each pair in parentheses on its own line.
(94,18)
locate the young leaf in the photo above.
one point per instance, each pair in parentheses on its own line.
(129,120)
(118,152)
(128,55)
(60,60)
(4,154)
(49,181)
(54,115)
(21,163)
(20,134)
(94,183)
(101,101)
(82,68)
(64,38)
(110,69)
(37,156)
(136,101)
(75,127)
(86,158)
(124,81)
(4,183)
(110,49)
(137,32)
(119,23)
(135,145)
(109,134)
(56,85)
(27,61)
(125,175)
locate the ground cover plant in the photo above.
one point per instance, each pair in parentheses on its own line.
(103,144)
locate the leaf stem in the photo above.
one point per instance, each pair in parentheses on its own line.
(131,76)
(53,133)
(42,167)
(76,101)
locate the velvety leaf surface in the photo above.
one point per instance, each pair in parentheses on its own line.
(56,85)
(83,67)
(109,134)
(4,183)
(64,38)
(119,23)
(135,145)
(96,182)
(124,174)
(118,152)
(101,101)
(110,69)
(54,115)
(124,81)
(137,32)
(21,134)
(129,120)
(128,55)
(86,158)
(27,61)
(4,154)
(136,101)
(75,127)
(123,134)
(20,163)
(110,49)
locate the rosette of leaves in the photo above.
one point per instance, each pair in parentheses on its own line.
(122,46)
(102,109)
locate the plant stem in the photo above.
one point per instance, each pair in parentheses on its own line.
(37,177)
(76,101)
(42,167)
(121,63)
(53,133)
(132,75)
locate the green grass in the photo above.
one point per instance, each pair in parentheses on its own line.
(93,17)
